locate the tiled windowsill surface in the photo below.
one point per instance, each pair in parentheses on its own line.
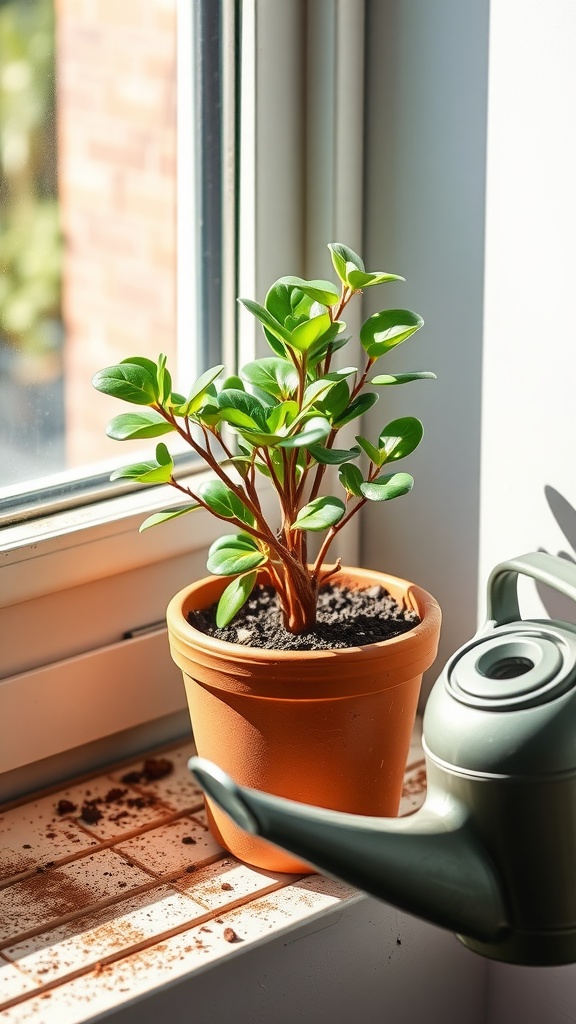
(120,890)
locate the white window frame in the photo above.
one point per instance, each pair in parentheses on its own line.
(79,692)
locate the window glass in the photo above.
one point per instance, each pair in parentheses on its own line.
(87,217)
(31,326)
(90,143)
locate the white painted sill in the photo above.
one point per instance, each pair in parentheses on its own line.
(96,915)
(80,545)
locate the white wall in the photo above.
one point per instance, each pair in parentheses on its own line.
(528,492)
(426,136)
(529,408)
(472,196)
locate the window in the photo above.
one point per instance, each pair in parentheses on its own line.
(93,170)
(68,567)
(79,586)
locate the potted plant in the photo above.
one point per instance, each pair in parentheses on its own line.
(320,705)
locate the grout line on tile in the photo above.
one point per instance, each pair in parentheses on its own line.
(27,974)
(108,901)
(97,773)
(147,827)
(103,844)
(138,947)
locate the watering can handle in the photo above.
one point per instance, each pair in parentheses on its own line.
(502,603)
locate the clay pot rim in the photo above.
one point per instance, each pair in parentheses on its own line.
(416,598)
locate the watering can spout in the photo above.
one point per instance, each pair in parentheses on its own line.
(428,864)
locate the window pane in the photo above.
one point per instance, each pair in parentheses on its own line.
(31,330)
(116,114)
(89,146)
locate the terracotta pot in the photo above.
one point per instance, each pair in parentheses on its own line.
(329,728)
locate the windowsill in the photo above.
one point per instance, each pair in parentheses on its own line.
(95,915)
(107,533)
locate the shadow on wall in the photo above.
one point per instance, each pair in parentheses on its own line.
(557,605)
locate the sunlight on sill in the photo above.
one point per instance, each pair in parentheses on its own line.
(113,886)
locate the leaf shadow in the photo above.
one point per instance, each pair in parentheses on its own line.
(558,606)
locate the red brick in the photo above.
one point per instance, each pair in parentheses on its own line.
(116,75)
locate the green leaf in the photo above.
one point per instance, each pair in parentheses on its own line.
(316,390)
(146,364)
(207,411)
(221,500)
(315,429)
(259,438)
(129,426)
(136,471)
(403,378)
(358,279)
(234,554)
(326,341)
(335,402)
(163,380)
(162,471)
(400,437)
(345,260)
(281,414)
(169,513)
(358,407)
(242,409)
(323,385)
(323,292)
(339,263)
(304,336)
(199,391)
(163,455)
(150,472)
(384,330)
(235,595)
(130,382)
(275,376)
(241,462)
(320,514)
(236,418)
(332,456)
(330,343)
(287,303)
(241,540)
(373,453)
(233,383)
(351,479)
(267,320)
(387,487)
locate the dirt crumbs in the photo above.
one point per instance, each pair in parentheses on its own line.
(154,768)
(119,804)
(231,936)
(65,807)
(91,814)
(346,618)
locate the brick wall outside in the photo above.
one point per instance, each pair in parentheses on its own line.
(116,103)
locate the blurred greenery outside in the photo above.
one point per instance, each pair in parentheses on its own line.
(31,333)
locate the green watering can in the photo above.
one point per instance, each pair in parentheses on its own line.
(491,854)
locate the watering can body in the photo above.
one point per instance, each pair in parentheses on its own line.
(491,854)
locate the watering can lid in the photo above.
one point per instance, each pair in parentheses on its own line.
(506,703)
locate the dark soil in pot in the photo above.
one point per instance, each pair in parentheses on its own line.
(346,618)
